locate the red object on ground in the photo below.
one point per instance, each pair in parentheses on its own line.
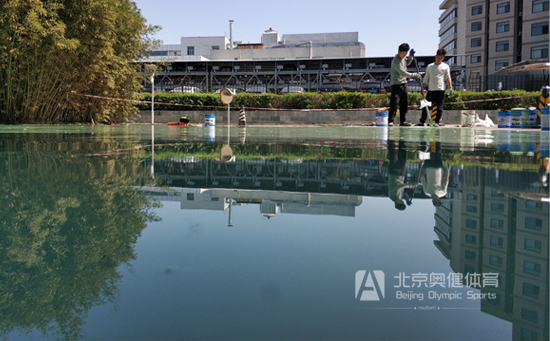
(181,124)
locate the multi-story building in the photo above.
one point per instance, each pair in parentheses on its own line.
(494,34)
(495,225)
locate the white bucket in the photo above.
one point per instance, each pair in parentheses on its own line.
(468,117)
(504,119)
(209,120)
(381,118)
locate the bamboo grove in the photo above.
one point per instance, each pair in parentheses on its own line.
(52,49)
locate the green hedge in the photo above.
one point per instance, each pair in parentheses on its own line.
(339,100)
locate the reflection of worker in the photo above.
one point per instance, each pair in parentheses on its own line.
(435,177)
(397,188)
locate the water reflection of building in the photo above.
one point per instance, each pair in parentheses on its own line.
(495,221)
(359,177)
(270,202)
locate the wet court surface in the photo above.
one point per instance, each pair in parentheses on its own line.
(307,233)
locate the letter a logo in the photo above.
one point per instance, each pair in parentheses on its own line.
(369,286)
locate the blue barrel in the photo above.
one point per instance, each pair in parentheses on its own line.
(516,117)
(504,119)
(544,119)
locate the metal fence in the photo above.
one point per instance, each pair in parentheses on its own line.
(506,82)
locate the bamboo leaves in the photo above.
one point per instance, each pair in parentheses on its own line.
(50,49)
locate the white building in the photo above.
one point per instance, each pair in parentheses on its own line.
(291,46)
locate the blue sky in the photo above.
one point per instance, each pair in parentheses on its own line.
(382,25)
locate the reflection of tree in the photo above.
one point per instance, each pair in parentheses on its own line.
(66,225)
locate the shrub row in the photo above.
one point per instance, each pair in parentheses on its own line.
(339,100)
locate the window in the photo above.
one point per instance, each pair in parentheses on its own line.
(190,196)
(497,223)
(471,197)
(503,26)
(471,239)
(499,207)
(539,52)
(477,10)
(450,46)
(215,47)
(532,245)
(533,223)
(531,268)
(531,290)
(499,64)
(533,205)
(447,33)
(470,208)
(470,255)
(471,224)
(476,26)
(528,335)
(475,42)
(502,46)
(529,315)
(190,50)
(503,7)
(539,28)
(475,58)
(496,194)
(495,260)
(496,242)
(540,6)
(448,18)
(158,53)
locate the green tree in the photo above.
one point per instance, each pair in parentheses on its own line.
(50,50)
(67,223)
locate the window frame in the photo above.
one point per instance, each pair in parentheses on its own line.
(505,44)
(503,7)
(504,26)
(477,10)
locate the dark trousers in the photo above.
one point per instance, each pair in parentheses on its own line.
(437,98)
(399,98)
(397,155)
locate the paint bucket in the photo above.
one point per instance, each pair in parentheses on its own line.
(515,143)
(533,117)
(382,118)
(209,120)
(504,119)
(468,117)
(210,133)
(516,117)
(525,123)
(503,140)
(544,145)
(545,119)
(381,137)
